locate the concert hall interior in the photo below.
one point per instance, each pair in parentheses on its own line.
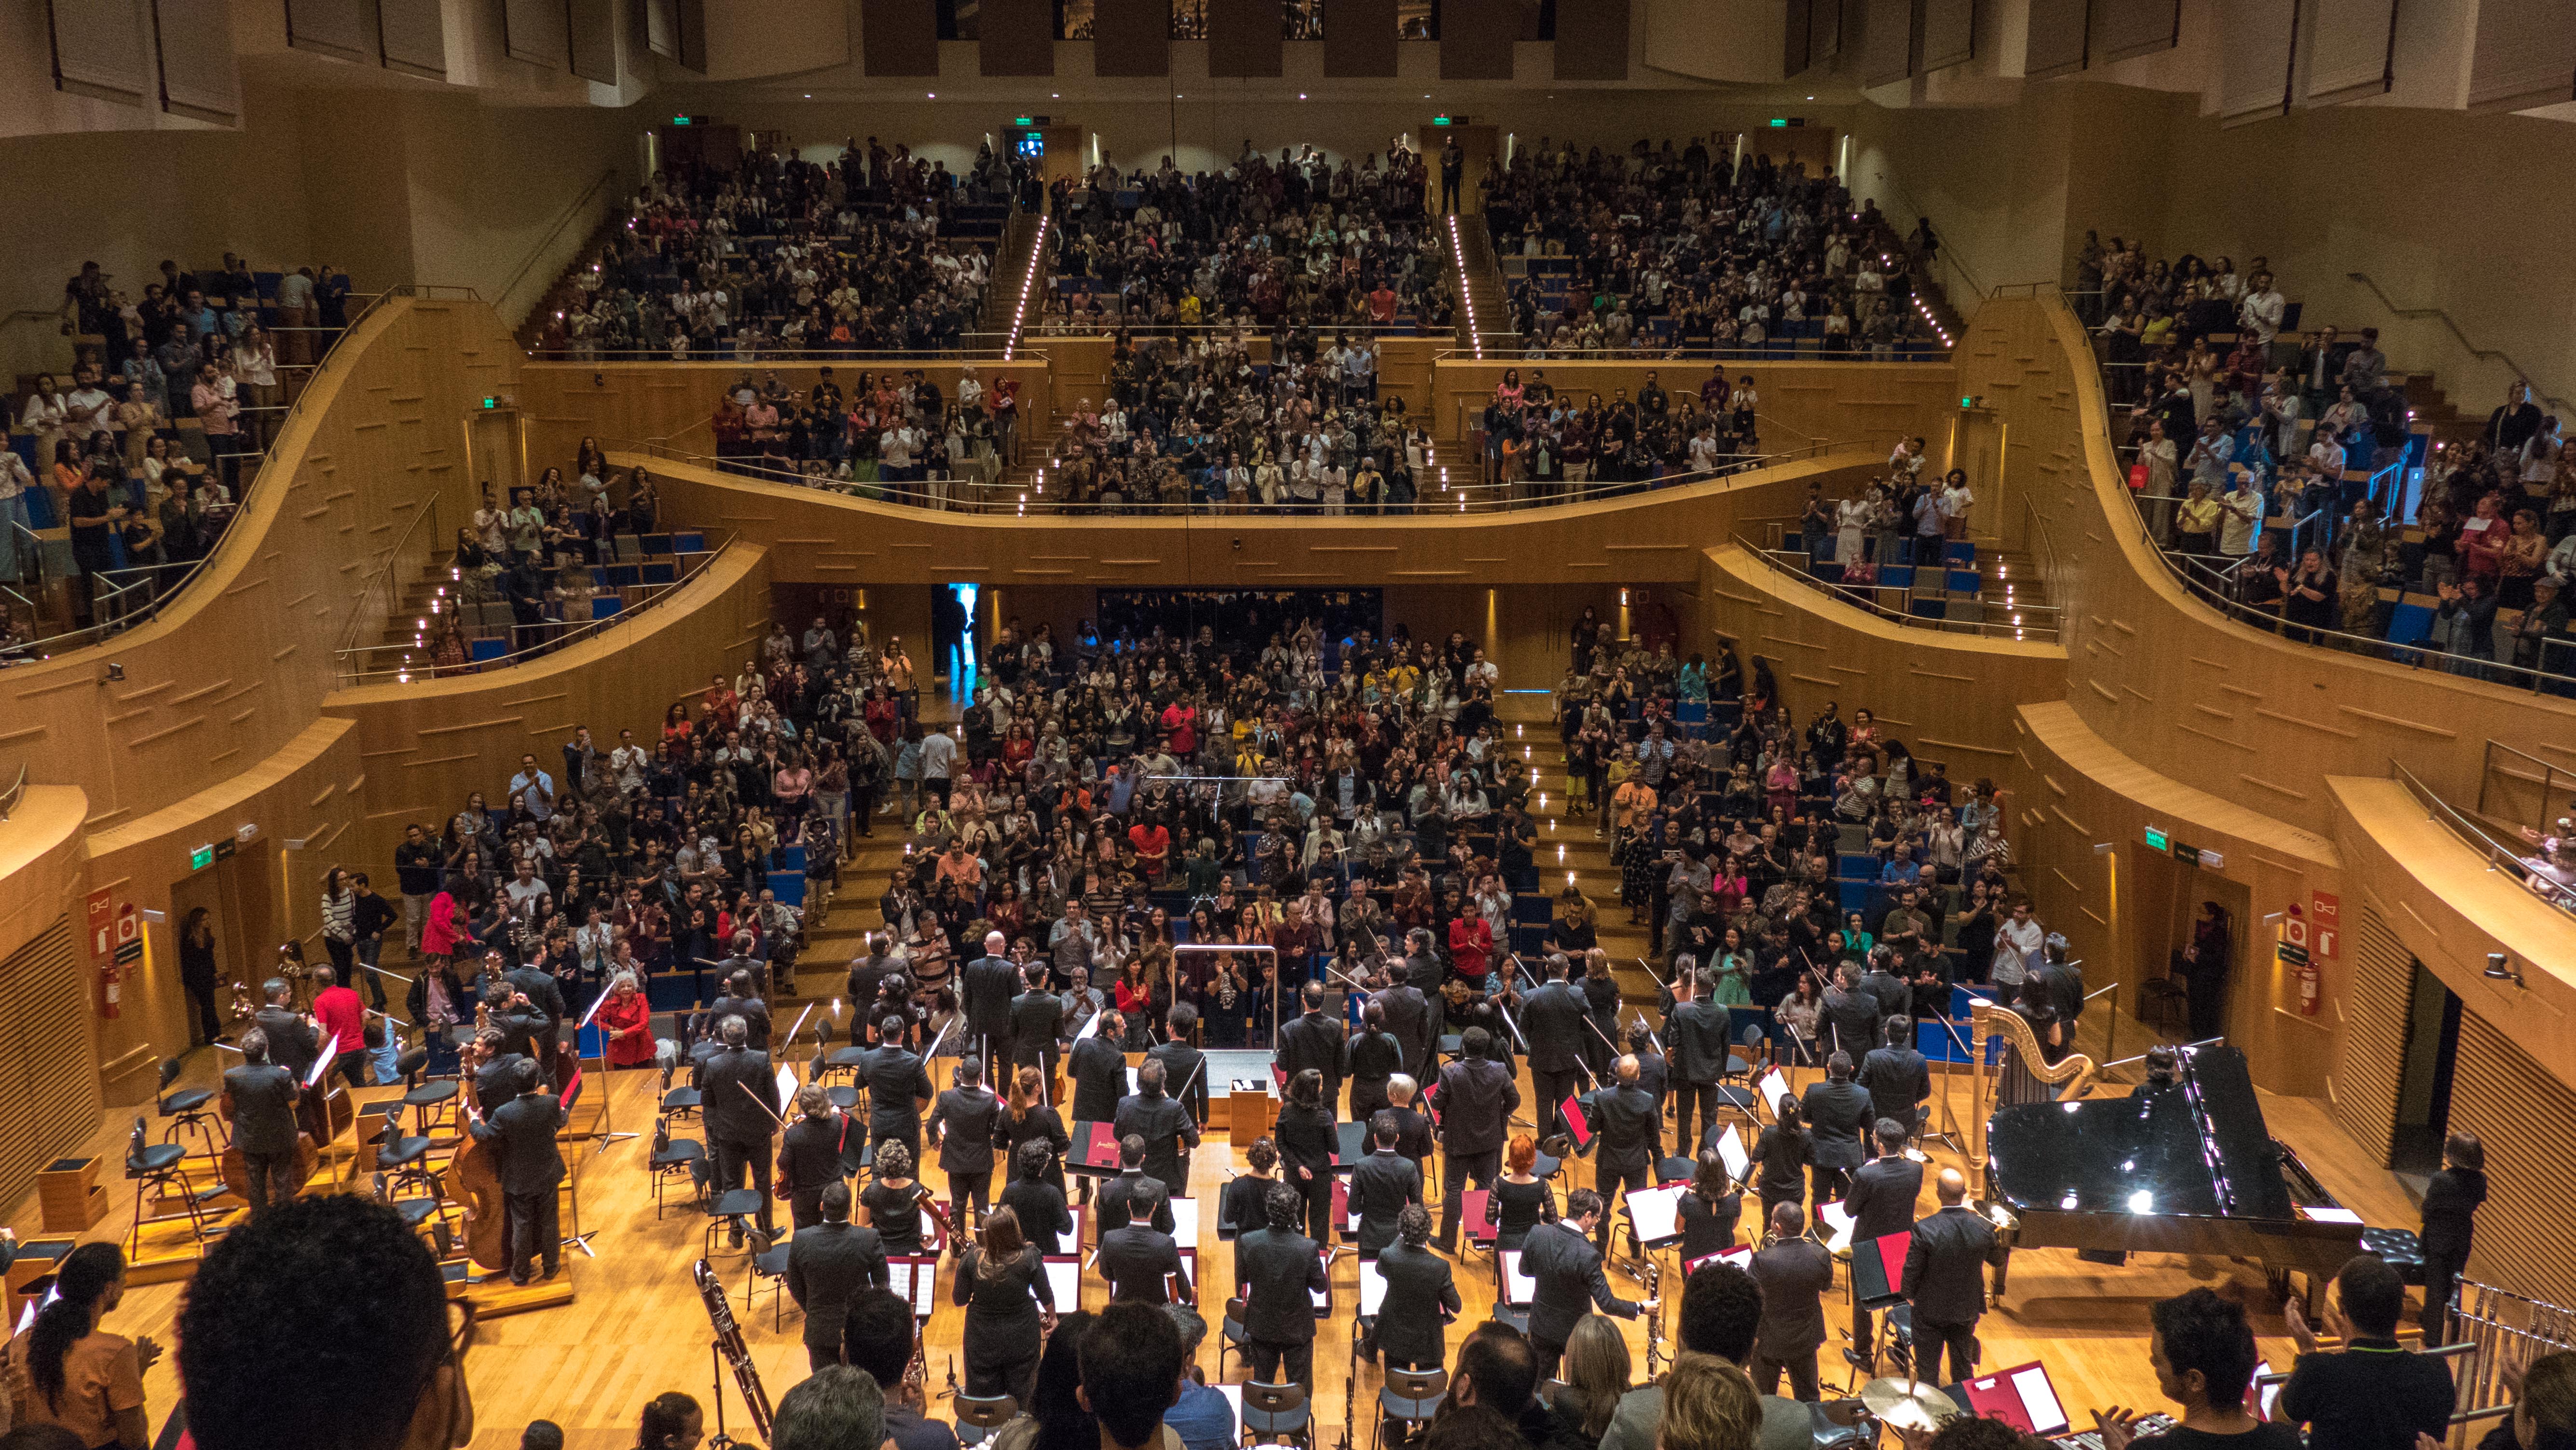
(774,692)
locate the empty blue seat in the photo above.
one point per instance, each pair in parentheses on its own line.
(621,576)
(1965,581)
(790,886)
(656,544)
(688,543)
(662,573)
(604,605)
(1896,576)
(486,649)
(1959,552)
(1929,609)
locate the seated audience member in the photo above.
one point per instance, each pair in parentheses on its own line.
(1721,1314)
(878,1338)
(834,1408)
(1131,1373)
(1202,1417)
(2203,1355)
(2371,1393)
(1708,1405)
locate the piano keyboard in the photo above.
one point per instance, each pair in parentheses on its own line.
(2092,1439)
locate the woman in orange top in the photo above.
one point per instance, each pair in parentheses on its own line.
(75,1376)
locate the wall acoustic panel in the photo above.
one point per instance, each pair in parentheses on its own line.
(1243,38)
(45,1110)
(1592,42)
(1015,38)
(1476,39)
(1131,38)
(2058,32)
(1949,35)
(2363,1092)
(99,48)
(2520,1112)
(899,37)
(1887,42)
(2255,45)
(593,24)
(336,28)
(2353,51)
(200,77)
(536,31)
(2123,28)
(412,37)
(1359,38)
(2524,55)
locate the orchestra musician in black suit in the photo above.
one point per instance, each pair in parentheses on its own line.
(1099,1073)
(1945,1281)
(1383,1185)
(1240,1205)
(1421,1296)
(1038,1204)
(1414,1135)
(1279,1269)
(898,1087)
(263,1097)
(741,999)
(821,1148)
(1369,1060)
(1167,1128)
(1308,1141)
(988,988)
(1134,1191)
(1654,1076)
(1407,1017)
(292,1043)
(1476,1100)
(1561,1258)
(739,1105)
(1711,1210)
(1897,1078)
(1551,1021)
(965,1122)
(1313,1043)
(494,1069)
(1794,1272)
(1838,1113)
(1851,1015)
(522,1135)
(1623,1114)
(1881,1202)
(827,1265)
(1037,1021)
(1184,1066)
(1137,1258)
(1695,1030)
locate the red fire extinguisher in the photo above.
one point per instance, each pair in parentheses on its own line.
(108,976)
(2309,990)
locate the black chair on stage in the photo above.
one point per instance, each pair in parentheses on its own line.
(1409,1398)
(680,1158)
(1273,1412)
(979,1417)
(188,1112)
(154,1167)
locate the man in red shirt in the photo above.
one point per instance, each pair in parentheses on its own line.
(1382,304)
(1181,727)
(1153,842)
(343,1020)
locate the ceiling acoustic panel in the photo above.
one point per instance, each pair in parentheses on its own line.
(1015,38)
(1476,39)
(1359,38)
(1243,39)
(200,78)
(899,37)
(2256,40)
(593,26)
(411,36)
(1887,42)
(2524,55)
(1592,42)
(536,31)
(2059,33)
(100,49)
(336,28)
(1949,35)
(1131,38)
(2126,28)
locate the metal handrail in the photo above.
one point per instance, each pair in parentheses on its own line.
(2550,775)
(96,631)
(1768,353)
(725,355)
(2481,354)
(501,299)
(2024,633)
(406,672)
(382,575)
(1459,500)
(2499,855)
(16,792)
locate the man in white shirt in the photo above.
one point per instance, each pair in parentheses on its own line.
(2017,945)
(2261,311)
(87,407)
(626,763)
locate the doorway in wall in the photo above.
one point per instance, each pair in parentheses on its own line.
(2424,1078)
(953,644)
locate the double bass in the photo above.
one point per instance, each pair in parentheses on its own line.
(474,1180)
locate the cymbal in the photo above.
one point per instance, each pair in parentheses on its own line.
(1908,1404)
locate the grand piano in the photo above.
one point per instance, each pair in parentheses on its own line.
(2185,1167)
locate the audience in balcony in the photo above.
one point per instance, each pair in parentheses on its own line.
(1297,242)
(1670,252)
(786,255)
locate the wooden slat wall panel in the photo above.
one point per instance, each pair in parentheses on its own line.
(2123,28)
(1359,38)
(2254,60)
(2364,1100)
(336,28)
(2353,52)
(413,35)
(1476,39)
(45,1111)
(1949,33)
(2524,55)
(200,76)
(1243,38)
(899,37)
(1592,42)
(2058,32)
(1131,38)
(2527,1235)
(593,24)
(1015,38)
(99,48)
(1887,42)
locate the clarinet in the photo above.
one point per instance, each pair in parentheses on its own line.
(1654,1321)
(736,1354)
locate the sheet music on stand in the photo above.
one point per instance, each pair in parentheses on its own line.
(1185,1221)
(1372,1288)
(1657,1214)
(1839,1220)
(1323,1298)
(1730,1147)
(1773,1088)
(1064,1280)
(1518,1288)
(915,1279)
(1741,1256)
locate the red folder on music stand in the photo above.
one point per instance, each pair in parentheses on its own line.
(2021,1397)
(1740,1256)
(1480,1228)
(1577,1126)
(1878,1269)
(1094,1149)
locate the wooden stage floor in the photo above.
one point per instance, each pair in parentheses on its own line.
(636,1328)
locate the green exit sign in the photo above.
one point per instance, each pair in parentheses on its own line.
(2156,839)
(491,402)
(1023,121)
(1442,121)
(684,120)
(1967,400)
(1780,121)
(201,858)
